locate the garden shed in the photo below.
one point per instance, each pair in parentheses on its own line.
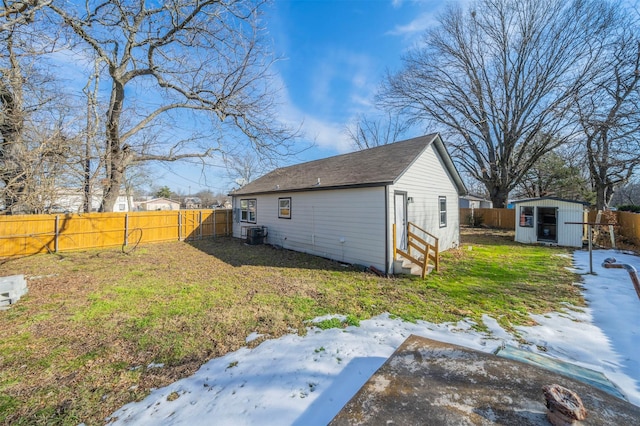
(545,220)
(353,207)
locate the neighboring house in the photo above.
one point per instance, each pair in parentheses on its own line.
(544,220)
(72,201)
(192,203)
(345,207)
(158,204)
(475,202)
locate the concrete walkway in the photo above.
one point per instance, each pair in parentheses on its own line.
(426,382)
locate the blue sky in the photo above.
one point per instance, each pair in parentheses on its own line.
(334,55)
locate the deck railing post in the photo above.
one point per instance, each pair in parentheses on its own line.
(395,249)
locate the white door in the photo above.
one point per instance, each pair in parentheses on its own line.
(401,220)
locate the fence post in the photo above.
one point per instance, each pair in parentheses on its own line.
(215,223)
(200,226)
(55,239)
(126,229)
(179,226)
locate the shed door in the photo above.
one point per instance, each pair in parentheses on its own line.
(548,224)
(401,220)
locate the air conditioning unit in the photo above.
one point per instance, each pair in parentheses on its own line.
(256,235)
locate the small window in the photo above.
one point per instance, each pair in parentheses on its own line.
(248,210)
(526,216)
(442,202)
(121,207)
(284,208)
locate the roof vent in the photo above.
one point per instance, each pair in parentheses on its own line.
(317,183)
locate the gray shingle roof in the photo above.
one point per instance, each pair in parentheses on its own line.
(370,167)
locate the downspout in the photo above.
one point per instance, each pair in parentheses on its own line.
(387,268)
(610,263)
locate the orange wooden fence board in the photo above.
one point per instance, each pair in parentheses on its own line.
(31,234)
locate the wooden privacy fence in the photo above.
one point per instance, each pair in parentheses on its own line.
(32,234)
(493,218)
(628,223)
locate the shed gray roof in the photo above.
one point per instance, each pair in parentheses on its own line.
(376,166)
(551,198)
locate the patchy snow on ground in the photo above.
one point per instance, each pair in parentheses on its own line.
(306,380)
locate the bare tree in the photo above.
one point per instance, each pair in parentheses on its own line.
(556,175)
(243,168)
(19,12)
(498,79)
(366,132)
(608,108)
(35,150)
(183,76)
(628,194)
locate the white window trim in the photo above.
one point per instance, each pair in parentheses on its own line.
(443,223)
(526,220)
(245,211)
(280,215)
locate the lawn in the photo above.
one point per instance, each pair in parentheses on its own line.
(99,329)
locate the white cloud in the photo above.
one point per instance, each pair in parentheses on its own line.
(327,135)
(417,26)
(324,134)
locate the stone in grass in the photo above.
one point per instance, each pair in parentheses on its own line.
(564,407)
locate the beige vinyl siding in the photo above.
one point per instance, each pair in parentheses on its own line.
(425,181)
(346,225)
(568,235)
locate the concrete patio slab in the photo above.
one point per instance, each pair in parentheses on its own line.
(426,382)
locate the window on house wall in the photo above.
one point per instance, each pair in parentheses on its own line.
(248,210)
(121,207)
(284,208)
(442,203)
(526,216)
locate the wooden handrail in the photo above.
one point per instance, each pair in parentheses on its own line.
(422,230)
(421,245)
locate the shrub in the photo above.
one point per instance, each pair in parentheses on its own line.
(475,220)
(629,208)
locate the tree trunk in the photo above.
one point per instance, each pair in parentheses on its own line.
(499,196)
(12,151)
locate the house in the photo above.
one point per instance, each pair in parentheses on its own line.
(470,201)
(347,207)
(550,220)
(192,203)
(159,204)
(72,201)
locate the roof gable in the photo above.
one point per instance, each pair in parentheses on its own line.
(376,166)
(159,200)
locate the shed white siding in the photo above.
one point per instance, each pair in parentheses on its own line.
(347,225)
(425,182)
(568,235)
